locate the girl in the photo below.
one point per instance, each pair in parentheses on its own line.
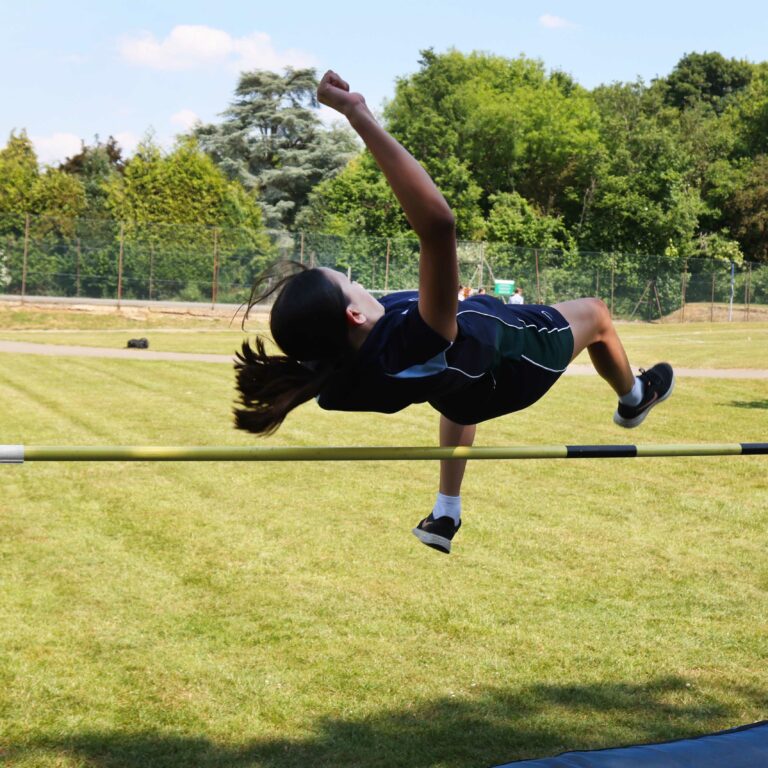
(471,362)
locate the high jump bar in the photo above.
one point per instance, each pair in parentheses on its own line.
(18,454)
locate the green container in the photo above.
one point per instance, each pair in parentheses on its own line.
(503,287)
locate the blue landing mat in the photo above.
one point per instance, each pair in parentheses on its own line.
(743,747)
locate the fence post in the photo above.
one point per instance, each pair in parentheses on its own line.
(151,268)
(712,302)
(538,291)
(373,270)
(613,285)
(682,289)
(77,267)
(25,259)
(748,287)
(301,250)
(733,281)
(215,280)
(386,267)
(480,267)
(120,266)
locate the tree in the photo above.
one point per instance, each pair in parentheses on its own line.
(178,209)
(706,77)
(358,201)
(49,202)
(486,125)
(58,199)
(516,222)
(645,195)
(18,175)
(272,141)
(96,166)
(748,115)
(747,210)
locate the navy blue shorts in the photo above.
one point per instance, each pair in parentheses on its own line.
(518,380)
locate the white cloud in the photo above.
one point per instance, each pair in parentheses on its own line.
(191,47)
(554,22)
(56,148)
(185,119)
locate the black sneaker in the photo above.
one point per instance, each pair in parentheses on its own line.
(658,383)
(436,533)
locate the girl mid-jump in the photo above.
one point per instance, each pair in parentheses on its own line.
(472,361)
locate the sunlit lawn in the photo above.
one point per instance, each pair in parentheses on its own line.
(283,615)
(693,345)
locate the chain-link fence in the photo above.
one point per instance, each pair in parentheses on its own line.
(108,259)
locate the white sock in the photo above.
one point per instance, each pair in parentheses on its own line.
(635,395)
(447,506)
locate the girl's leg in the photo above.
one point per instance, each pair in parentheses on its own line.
(452,470)
(438,529)
(593,330)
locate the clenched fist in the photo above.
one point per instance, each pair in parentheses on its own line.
(334,92)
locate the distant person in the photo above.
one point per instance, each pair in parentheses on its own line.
(461,296)
(482,292)
(471,362)
(517,297)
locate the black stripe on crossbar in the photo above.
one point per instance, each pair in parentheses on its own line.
(753,449)
(601,451)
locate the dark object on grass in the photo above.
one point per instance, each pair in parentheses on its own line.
(138,344)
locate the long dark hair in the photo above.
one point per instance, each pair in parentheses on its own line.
(308,323)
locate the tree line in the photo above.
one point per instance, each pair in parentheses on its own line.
(673,169)
(527,158)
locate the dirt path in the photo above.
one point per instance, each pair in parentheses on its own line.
(70,350)
(26,348)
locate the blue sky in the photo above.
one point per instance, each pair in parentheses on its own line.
(73,70)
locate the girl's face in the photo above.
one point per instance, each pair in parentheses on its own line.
(356,295)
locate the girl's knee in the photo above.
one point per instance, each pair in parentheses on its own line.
(590,321)
(599,313)
(590,311)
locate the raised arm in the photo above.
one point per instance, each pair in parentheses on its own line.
(424,206)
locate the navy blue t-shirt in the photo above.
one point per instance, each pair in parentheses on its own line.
(504,358)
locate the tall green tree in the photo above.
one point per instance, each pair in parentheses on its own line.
(644,198)
(706,77)
(58,200)
(357,201)
(506,122)
(19,173)
(484,125)
(746,210)
(51,202)
(516,222)
(748,115)
(96,166)
(178,210)
(272,141)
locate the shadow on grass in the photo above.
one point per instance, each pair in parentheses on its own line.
(758,404)
(495,726)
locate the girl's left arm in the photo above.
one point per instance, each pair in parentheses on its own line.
(425,207)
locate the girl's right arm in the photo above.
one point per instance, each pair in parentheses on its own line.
(424,206)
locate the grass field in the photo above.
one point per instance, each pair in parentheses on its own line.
(282,615)
(694,345)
